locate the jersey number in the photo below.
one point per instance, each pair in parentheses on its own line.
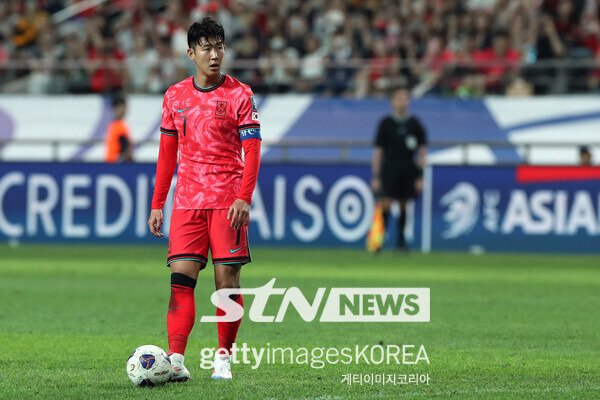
(184,122)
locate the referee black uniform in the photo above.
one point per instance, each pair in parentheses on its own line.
(399,137)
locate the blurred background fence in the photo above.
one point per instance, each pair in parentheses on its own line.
(321,151)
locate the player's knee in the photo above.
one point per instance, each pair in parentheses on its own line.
(188,268)
(386,204)
(183,280)
(402,204)
(227,282)
(227,277)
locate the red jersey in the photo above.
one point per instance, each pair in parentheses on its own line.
(493,65)
(209,125)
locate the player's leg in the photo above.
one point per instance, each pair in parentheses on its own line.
(401,225)
(229,249)
(390,181)
(227,276)
(181,313)
(408,177)
(188,247)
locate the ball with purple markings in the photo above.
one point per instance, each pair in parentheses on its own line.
(149,366)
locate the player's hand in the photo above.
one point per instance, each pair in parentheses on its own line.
(376,184)
(238,214)
(155,222)
(419,185)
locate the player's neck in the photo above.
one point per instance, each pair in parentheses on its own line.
(205,82)
(400,114)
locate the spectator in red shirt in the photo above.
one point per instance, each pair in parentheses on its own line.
(565,22)
(594,81)
(109,72)
(432,66)
(588,31)
(4,55)
(380,61)
(497,63)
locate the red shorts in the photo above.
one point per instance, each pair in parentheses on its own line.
(193,232)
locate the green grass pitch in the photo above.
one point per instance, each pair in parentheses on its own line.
(502,326)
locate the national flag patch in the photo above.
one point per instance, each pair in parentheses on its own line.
(254,116)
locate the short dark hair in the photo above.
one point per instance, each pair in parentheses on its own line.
(584,150)
(205,29)
(399,88)
(117,100)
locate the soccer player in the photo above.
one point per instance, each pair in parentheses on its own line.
(396,173)
(208,118)
(118,143)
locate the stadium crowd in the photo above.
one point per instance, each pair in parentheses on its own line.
(331,47)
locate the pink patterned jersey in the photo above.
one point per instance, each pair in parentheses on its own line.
(209,125)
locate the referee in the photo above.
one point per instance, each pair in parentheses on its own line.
(398,159)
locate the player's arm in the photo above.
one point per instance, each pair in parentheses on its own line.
(165,168)
(240,209)
(126,153)
(376,168)
(422,143)
(421,155)
(249,130)
(377,159)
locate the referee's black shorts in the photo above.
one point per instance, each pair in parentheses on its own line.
(399,182)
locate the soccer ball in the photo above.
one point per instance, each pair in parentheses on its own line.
(149,366)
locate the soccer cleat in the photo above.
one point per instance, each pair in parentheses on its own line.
(222,367)
(180,372)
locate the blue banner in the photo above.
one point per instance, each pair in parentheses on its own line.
(537,209)
(319,205)
(75,202)
(526,208)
